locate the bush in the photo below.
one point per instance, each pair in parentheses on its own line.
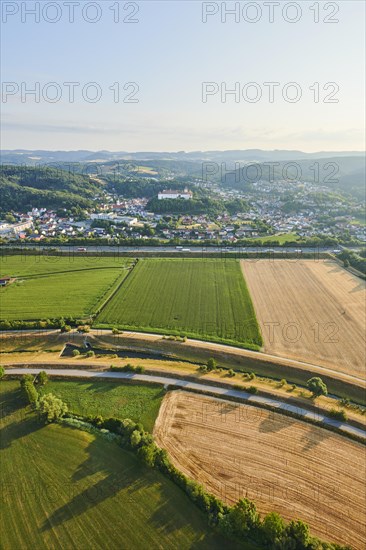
(211,364)
(252,389)
(148,453)
(75,352)
(90,353)
(2,372)
(135,439)
(338,414)
(344,402)
(65,328)
(42,378)
(283,382)
(83,329)
(29,392)
(115,330)
(230,373)
(128,368)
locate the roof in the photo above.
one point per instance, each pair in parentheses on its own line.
(174,192)
(5,278)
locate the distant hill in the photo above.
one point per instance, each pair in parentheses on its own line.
(31,158)
(23,188)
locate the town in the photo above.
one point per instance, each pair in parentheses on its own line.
(273,214)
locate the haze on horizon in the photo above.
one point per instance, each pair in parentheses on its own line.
(169,52)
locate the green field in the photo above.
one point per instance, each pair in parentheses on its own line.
(33,265)
(63,488)
(141,403)
(66,288)
(205,299)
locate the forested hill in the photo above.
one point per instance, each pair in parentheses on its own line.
(23,188)
(345,174)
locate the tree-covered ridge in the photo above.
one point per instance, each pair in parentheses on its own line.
(23,188)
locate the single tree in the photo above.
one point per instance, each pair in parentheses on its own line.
(43,378)
(242,519)
(273,528)
(317,386)
(211,364)
(299,532)
(51,408)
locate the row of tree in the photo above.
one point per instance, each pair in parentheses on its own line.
(241,523)
(49,407)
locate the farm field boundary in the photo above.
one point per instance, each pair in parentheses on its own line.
(313,312)
(344,428)
(205,299)
(73,489)
(199,352)
(239,451)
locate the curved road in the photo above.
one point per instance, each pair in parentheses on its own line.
(203,388)
(215,346)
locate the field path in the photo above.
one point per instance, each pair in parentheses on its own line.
(194,386)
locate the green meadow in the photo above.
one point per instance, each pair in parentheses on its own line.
(64,488)
(54,287)
(139,402)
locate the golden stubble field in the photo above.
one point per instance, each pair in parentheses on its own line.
(311,311)
(284,465)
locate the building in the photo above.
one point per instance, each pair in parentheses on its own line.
(109,216)
(21,226)
(127,220)
(171,194)
(5,280)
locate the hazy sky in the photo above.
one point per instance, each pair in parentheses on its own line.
(169,52)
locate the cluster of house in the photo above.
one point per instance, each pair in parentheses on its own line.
(130,218)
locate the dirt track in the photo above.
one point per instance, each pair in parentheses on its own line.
(284,465)
(310,311)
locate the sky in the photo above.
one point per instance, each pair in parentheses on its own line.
(156,75)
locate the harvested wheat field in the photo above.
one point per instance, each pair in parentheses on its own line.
(285,465)
(311,311)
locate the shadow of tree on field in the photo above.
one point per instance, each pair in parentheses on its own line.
(11,402)
(359,287)
(314,436)
(274,422)
(18,430)
(91,495)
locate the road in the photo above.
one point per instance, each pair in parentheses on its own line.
(203,388)
(156,249)
(259,356)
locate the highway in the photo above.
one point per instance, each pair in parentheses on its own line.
(172,249)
